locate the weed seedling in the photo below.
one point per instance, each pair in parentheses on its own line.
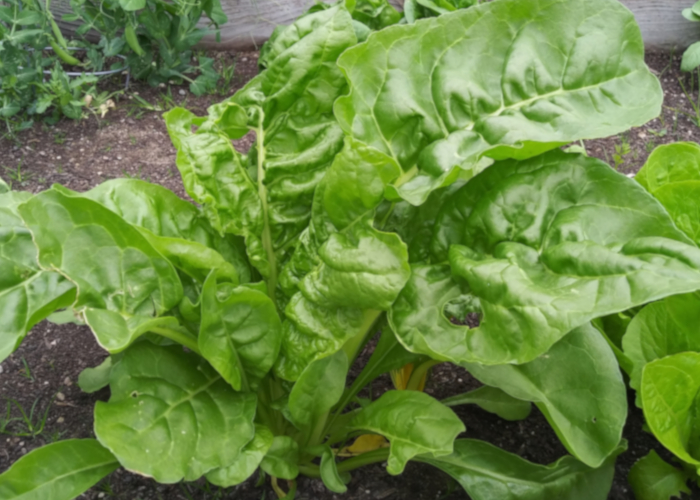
(25,371)
(27,424)
(17,176)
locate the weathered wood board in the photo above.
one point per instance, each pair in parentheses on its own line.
(252,21)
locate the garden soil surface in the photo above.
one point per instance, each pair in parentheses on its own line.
(132,141)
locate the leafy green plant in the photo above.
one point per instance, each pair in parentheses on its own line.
(156,35)
(691,56)
(393,184)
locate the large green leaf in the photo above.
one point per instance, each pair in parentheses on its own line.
(58,471)
(672,175)
(163,213)
(670,388)
(506,79)
(413,422)
(551,243)
(171,416)
(653,479)
(240,332)
(27,294)
(670,326)
(281,458)
(318,388)
(578,387)
(246,463)
(487,472)
(123,282)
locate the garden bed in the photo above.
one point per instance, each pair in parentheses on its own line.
(132,141)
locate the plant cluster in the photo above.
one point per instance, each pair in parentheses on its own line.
(394,184)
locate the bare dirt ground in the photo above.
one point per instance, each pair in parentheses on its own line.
(132,141)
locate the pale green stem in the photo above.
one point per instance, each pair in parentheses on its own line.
(262,192)
(179,337)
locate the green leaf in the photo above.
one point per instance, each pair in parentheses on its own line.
(171,416)
(690,15)
(578,387)
(682,201)
(414,423)
(58,471)
(477,85)
(670,326)
(122,281)
(318,388)
(281,459)
(27,294)
(575,240)
(669,164)
(487,472)
(240,333)
(669,390)
(93,379)
(653,479)
(4,188)
(247,462)
(329,473)
(493,400)
(130,5)
(152,207)
(691,57)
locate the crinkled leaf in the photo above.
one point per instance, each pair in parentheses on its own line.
(670,326)
(27,294)
(671,405)
(318,388)
(58,471)
(247,462)
(578,387)
(413,422)
(122,281)
(487,472)
(653,479)
(329,472)
(240,332)
(281,459)
(493,400)
(165,214)
(312,332)
(171,416)
(483,81)
(93,379)
(553,242)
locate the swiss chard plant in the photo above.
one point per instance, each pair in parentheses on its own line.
(393,184)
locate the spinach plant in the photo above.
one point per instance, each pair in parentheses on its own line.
(393,183)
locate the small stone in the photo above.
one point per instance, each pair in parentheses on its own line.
(58,157)
(99,172)
(244,59)
(459,380)
(67,381)
(105,158)
(60,420)
(161,85)
(642,135)
(1,369)
(119,157)
(41,153)
(24,451)
(182,92)
(21,443)
(60,396)
(101,495)
(82,150)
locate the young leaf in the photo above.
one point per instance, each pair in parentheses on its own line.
(487,472)
(670,326)
(575,240)
(578,387)
(413,422)
(669,164)
(93,379)
(171,416)
(478,85)
(318,388)
(27,294)
(281,459)
(653,479)
(493,400)
(58,471)
(329,472)
(247,461)
(691,57)
(669,398)
(240,333)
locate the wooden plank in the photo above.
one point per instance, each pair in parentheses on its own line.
(251,21)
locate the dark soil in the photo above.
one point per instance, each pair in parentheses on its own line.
(133,141)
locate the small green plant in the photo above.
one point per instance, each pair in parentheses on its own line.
(25,371)
(16,176)
(226,73)
(29,424)
(621,151)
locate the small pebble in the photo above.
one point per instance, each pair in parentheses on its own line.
(24,451)
(99,172)
(67,381)
(182,92)
(105,158)
(41,153)
(119,157)
(60,420)
(58,157)
(101,495)
(245,59)
(60,396)
(1,369)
